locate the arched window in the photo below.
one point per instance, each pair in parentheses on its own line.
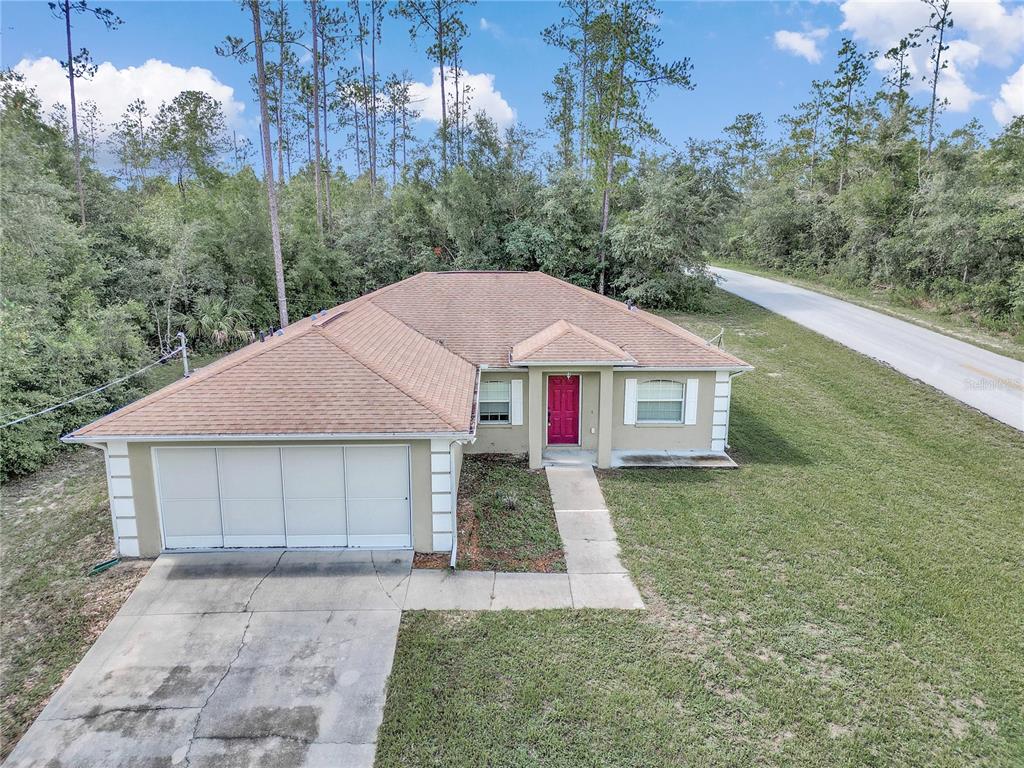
(660,401)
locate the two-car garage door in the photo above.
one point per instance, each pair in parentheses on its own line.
(295,496)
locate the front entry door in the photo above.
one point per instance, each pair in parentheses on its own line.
(563,410)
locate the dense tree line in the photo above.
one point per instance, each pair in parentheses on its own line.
(863,189)
(191,233)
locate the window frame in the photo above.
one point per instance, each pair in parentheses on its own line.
(681,400)
(507,400)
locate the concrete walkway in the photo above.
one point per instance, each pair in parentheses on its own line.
(594,576)
(992,383)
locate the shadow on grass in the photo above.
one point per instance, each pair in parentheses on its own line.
(754,441)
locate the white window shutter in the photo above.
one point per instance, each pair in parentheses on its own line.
(691,401)
(516,406)
(629,411)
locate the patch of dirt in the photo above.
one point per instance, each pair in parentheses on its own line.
(436,560)
(472,555)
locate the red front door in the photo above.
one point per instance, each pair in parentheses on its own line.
(563,410)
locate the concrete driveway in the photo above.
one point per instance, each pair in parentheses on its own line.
(234,659)
(992,383)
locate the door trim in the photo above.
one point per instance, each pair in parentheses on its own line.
(579,408)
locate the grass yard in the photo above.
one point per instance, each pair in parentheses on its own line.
(852,595)
(505,518)
(56,525)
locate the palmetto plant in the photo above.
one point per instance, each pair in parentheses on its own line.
(214,321)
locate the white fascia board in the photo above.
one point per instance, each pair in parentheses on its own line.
(283,437)
(567,363)
(660,368)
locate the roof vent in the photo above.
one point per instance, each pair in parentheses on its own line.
(333,317)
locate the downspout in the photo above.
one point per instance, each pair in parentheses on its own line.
(451,471)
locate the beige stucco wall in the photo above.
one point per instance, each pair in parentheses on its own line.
(516,439)
(590,398)
(503,438)
(626,437)
(144,487)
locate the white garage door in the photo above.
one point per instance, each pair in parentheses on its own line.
(296,496)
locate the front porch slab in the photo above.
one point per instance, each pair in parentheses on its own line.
(697,459)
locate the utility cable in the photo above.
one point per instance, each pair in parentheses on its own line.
(108,385)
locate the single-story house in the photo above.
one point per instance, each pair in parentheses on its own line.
(347,428)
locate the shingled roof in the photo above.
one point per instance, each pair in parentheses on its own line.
(404,359)
(563,342)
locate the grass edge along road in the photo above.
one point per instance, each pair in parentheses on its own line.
(849,596)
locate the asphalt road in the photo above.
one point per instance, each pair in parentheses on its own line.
(984,380)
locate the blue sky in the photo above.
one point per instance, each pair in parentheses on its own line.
(747,56)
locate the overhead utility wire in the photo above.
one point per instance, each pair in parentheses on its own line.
(109,384)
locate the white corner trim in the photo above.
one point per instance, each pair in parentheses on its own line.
(442,495)
(122,498)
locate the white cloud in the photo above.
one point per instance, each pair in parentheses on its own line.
(801,43)
(1011,98)
(963,57)
(984,31)
(482,97)
(114,89)
(490,26)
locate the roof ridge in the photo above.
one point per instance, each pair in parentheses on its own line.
(596,339)
(397,319)
(653,320)
(540,349)
(200,375)
(446,418)
(358,301)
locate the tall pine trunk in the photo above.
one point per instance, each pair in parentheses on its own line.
(444,104)
(316,120)
(605,209)
(268,164)
(280,98)
(373,90)
(370,152)
(935,80)
(327,151)
(606,197)
(74,114)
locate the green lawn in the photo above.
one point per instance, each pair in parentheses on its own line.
(506,521)
(852,595)
(56,525)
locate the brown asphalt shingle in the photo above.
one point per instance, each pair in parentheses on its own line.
(564,342)
(404,359)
